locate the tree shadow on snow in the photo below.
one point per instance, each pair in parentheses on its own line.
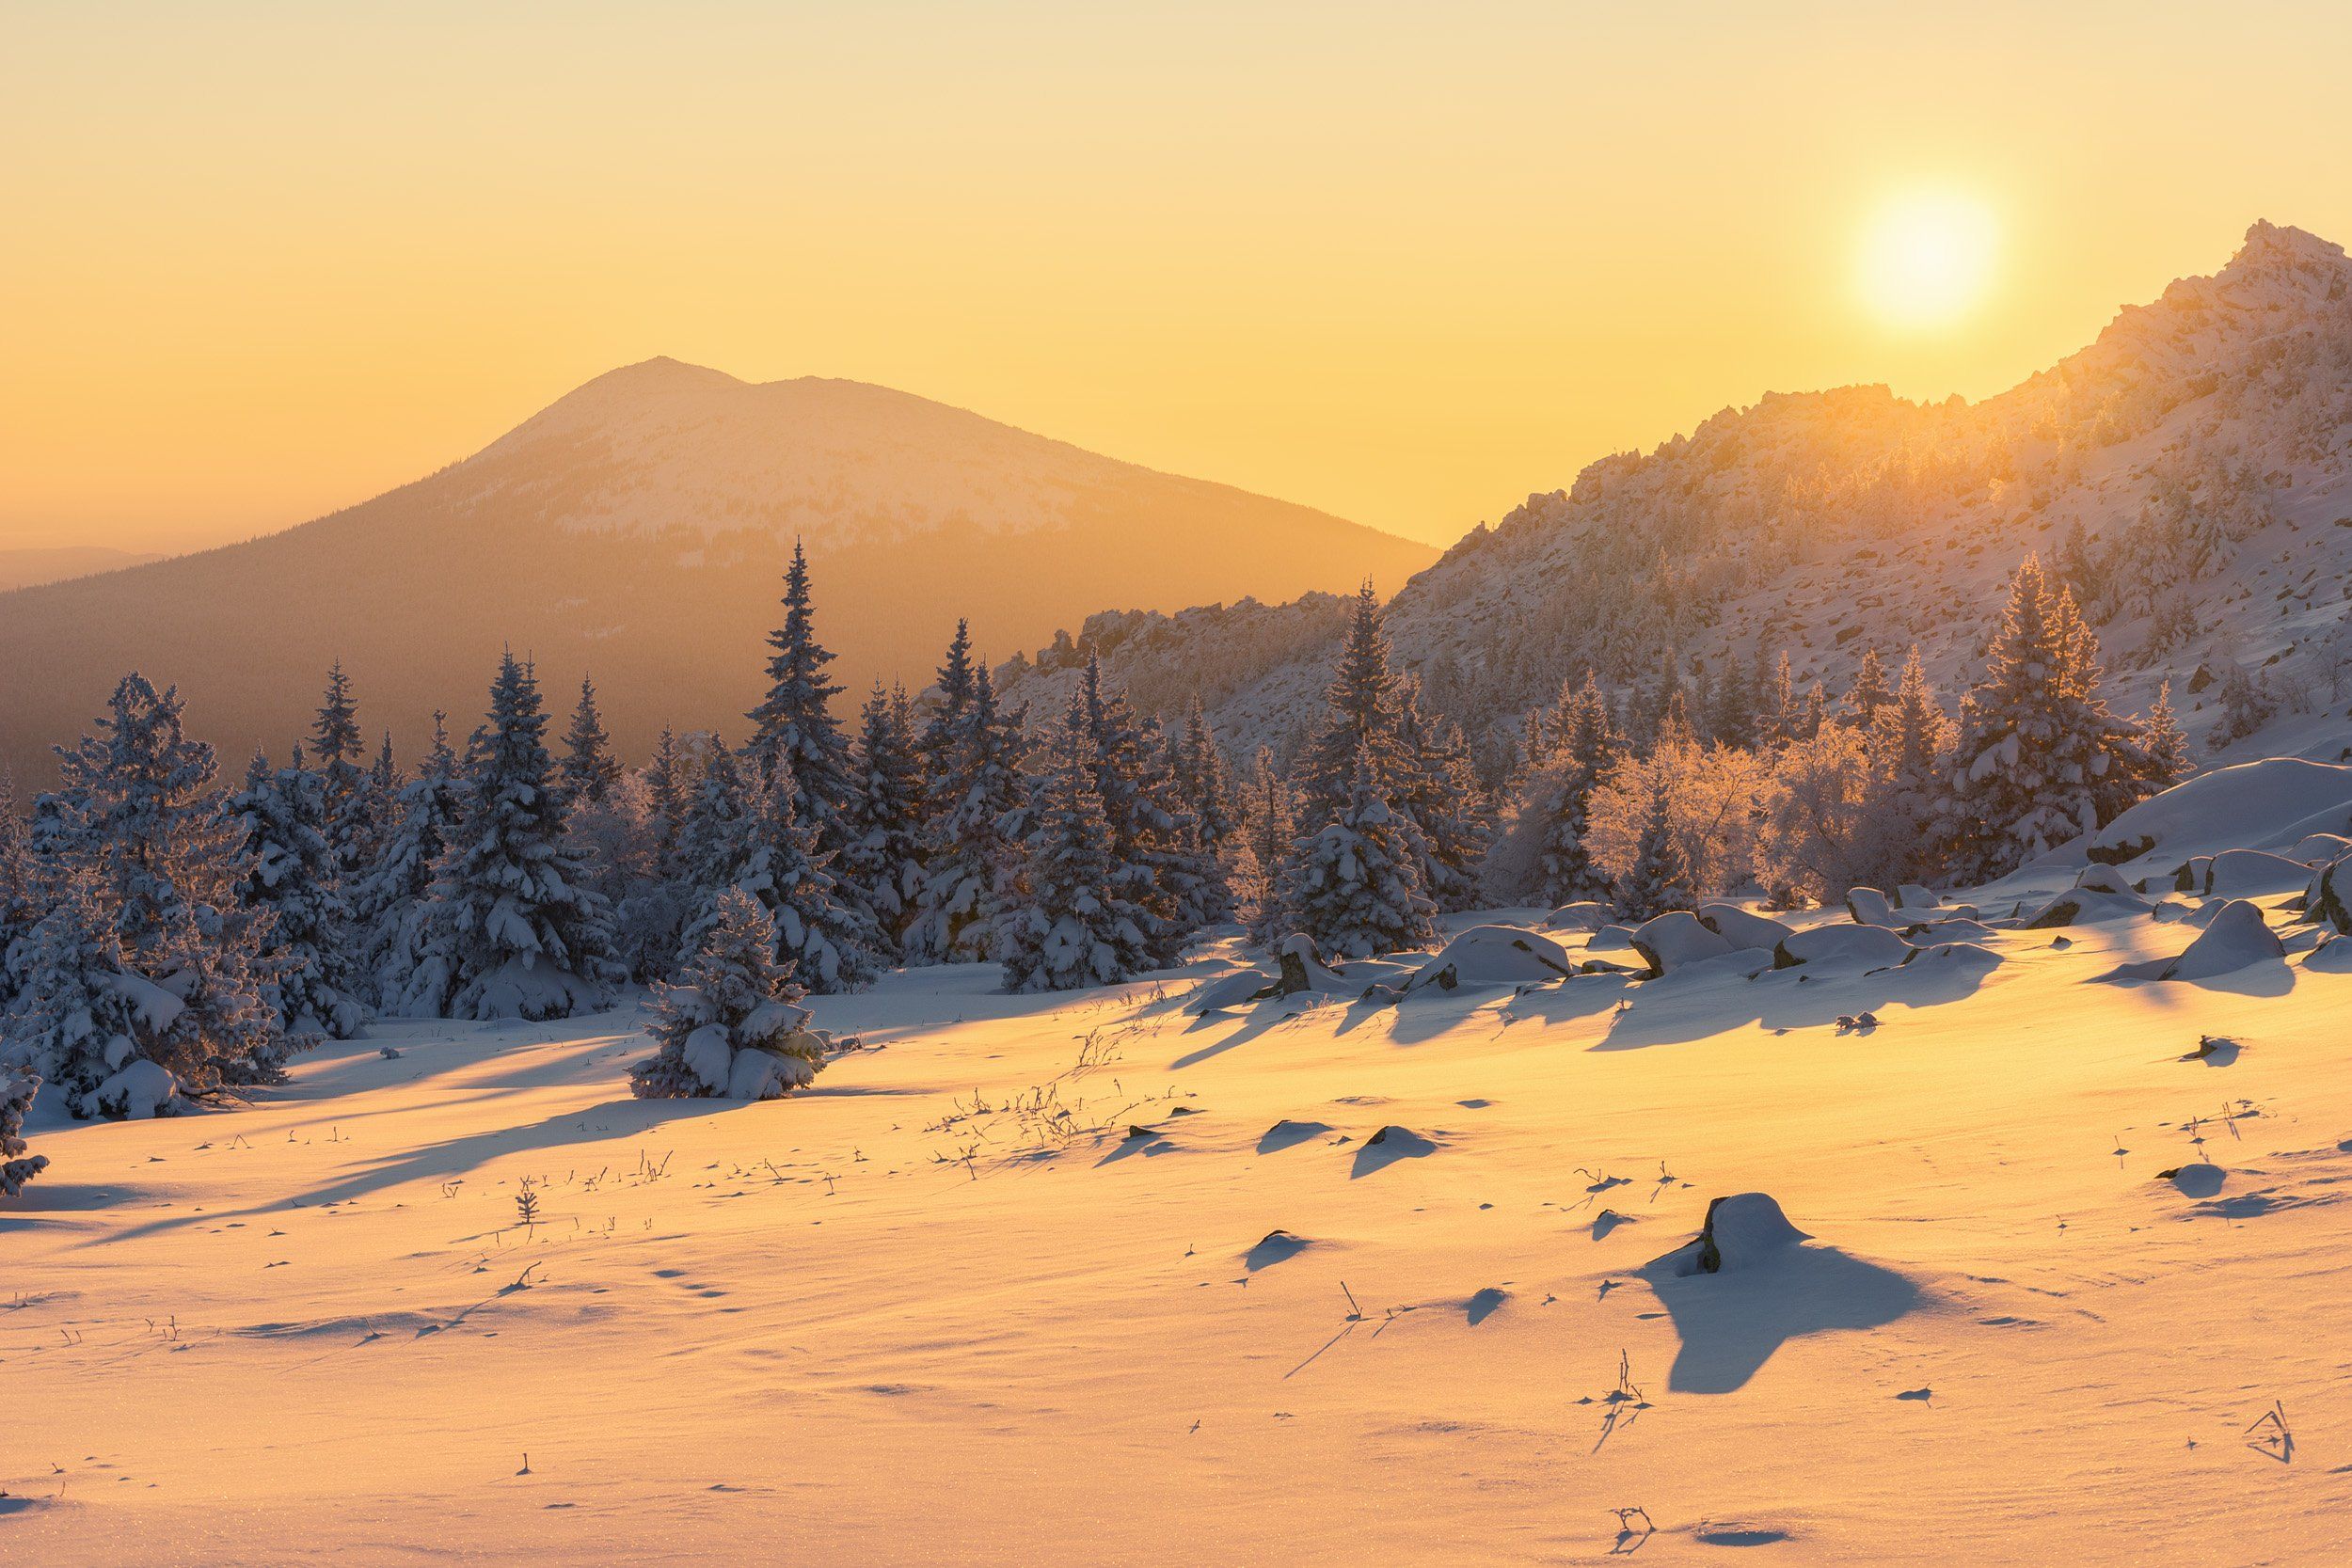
(1731,1323)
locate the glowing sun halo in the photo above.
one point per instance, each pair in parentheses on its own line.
(1926,258)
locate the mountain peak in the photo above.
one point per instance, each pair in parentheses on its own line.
(2277,259)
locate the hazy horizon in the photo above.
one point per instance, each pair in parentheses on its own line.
(291,259)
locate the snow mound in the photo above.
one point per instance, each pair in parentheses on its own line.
(1961,955)
(1674,939)
(1929,931)
(2333,956)
(2238,938)
(1741,928)
(1585,917)
(1610,939)
(1741,1233)
(1494,956)
(2314,847)
(2270,805)
(1861,947)
(1229,990)
(2105,878)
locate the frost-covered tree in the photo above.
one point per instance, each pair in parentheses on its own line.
(794,732)
(969,859)
(1441,791)
(1713,795)
(292,872)
(1733,723)
(1354,884)
(666,792)
(729,1028)
(18,1164)
(2039,758)
(620,839)
(1359,722)
(589,768)
(1910,744)
(2170,759)
(883,860)
(1658,878)
(1203,782)
(1069,925)
(825,941)
(382,811)
(392,895)
(514,930)
(1157,862)
(136,814)
(2248,704)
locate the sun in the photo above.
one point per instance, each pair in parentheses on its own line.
(1926,258)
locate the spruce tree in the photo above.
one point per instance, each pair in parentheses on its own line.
(1588,748)
(968,858)
(1867,694)
(794,732)
(292,872)
(22,888)
(666,787)
(1204,781)
(18,1164)
(2039,758)
(1158,865)
(137,816)
(2170,759)
(589,768)
(1358,723)
(1069,926)
(728,1027)
(1734,721)
(1354,884)
(883,859)
(1908,747)
(1659,878)
(515,932)
(1440,792)
(391,900)
(1269,828)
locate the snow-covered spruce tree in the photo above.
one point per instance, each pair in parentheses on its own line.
(1358,725)
(2246,705)
(1443,795)
(1659,878)
(1588,746)
(382,813)
(1269,828)
(293,873)
(619,839)
(1354,884)
(513,930)
(884,858)
(1158,865)
(137,814)
(1734,720)
(18,1164)
(589,766)
(968,858)
(22,888)
(1068,925)
(1204,781)
(666,792)
(728,1028)
(392,897)
(2039,758)
(1859,707)
(344,779)
(825,942)
(1910,745)
(83,1022)
(794,734)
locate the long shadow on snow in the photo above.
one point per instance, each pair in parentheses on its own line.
(1732,1322)
(1677,1010)
(618,1119)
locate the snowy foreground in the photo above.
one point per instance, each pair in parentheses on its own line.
(915,1314)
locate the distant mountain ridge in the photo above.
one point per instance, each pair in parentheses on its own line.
(636,529)
(31,566)
(2187,473)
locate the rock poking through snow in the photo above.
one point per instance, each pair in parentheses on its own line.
(1494,956)
(2238,939)
(1739,1233)
(1676,938)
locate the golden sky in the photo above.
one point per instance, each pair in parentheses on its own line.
(1407,263)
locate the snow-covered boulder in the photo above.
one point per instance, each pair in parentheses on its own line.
(1583,916)
(1741,1231)
(1913,897)
(2269,804)
(1236,989)
(1965,957)
(1494,956)
(2314,848)
(1851,947)
(1957,929)
(1741,928)
(2328,897)
(2253,874)
(1610,939)
(1303,970)
(1870,906)
(2237,938)
(1674,939)
(2105,878)
(2085,907)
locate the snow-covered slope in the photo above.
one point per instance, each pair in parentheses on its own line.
(1101,1278)
(2187,473)
(637,527)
